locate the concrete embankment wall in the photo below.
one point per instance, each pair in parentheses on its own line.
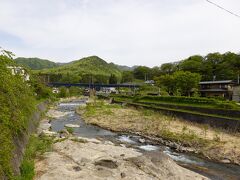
(21,140)
(226,123)
(222,112)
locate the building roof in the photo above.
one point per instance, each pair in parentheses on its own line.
(218,82)
(213,90)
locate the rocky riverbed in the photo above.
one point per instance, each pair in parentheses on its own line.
(95,159)
(92,152)
(78,157)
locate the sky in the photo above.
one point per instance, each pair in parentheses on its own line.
(126,32)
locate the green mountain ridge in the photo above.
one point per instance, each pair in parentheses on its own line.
(124,67)
(35,63)
(87,69)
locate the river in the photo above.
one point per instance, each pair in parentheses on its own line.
(212,170)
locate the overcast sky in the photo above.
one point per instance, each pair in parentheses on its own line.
(127,32)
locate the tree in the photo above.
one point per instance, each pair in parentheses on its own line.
(168,68)
(112,79)
(141,72)
(127,76)
(236,65)
(186,81)
(167,83)
(211,66)
(6,53)
(63,92)
(70,78)
(180,81)
(192,64)
(155,72)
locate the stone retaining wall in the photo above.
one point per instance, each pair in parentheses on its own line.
(222,112)
(21,140)
(217,122)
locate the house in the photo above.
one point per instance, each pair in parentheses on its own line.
(236,93)
(20,71)
(217,89)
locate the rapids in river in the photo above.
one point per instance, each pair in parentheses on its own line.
(212,170)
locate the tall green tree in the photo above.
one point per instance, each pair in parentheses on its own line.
(142,72)
(113,79)
(168,68)
(127,76)
(211,66)
(167,83)
(236,67)
(70,78)
(192,64)
(155,72)
(186,82)
(181,81)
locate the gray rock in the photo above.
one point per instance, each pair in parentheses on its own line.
(123,175)
(108,163)
(142,140)
(226,161)
(72,125)
(77,168)
(49,133)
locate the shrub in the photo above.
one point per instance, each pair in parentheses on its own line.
(17,104)
(36,145)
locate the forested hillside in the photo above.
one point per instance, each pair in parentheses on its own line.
(36,63)
(88,69)
(213,66)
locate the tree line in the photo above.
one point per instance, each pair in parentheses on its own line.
(213,66)
(182,77)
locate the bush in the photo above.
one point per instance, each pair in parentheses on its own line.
(36,145)
(70,130)
(63,92)
(16,106)
(75,91)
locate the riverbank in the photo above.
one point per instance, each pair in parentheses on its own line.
(214,144)
(78,156)
(94,159)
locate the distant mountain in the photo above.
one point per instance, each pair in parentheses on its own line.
(36,63)
(87,69)
(123,67)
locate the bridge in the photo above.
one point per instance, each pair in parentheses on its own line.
(92,85)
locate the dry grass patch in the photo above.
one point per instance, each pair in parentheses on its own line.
(209,141)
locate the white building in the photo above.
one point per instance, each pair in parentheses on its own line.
(20,71)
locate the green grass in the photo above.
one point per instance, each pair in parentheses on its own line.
(70,130)
(36,146)
(186,137)
(178,110)
(179,106)
(183,101)
(93,108)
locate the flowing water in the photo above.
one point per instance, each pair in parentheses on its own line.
(213,170)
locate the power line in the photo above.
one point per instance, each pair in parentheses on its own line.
(223,8)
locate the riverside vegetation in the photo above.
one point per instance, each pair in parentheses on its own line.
(212,143)
(18,100)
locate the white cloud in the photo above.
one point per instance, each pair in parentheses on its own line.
(148,32)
